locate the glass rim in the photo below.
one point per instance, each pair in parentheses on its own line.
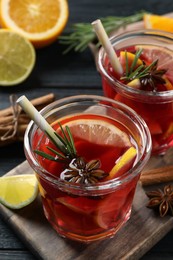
(122,87)
(116,182)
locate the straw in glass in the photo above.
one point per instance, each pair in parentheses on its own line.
(39,120)
(103,38)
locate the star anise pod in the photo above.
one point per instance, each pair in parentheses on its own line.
(149,75)
(162,199)
(84,173)
(152,76)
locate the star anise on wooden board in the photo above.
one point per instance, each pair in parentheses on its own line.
(161,199)
(84,173)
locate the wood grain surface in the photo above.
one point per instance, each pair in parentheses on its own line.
(138,235)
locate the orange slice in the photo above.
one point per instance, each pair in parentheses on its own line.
(134,84)
(40,21)
(158,22)
(130,57)
(123,163)
(99,132)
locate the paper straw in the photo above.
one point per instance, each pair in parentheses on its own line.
(103,38)
(39,120)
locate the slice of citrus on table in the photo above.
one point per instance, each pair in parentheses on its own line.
(158,22)
(99,132)
(17,58)
(18,191)
(40,21)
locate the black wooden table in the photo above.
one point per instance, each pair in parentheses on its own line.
(65,75)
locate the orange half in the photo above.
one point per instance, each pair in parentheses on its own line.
(40,21)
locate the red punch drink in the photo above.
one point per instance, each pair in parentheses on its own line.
(87,189)
(147,82)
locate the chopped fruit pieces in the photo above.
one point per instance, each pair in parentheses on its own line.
(18,191)
(168,84)
(123,163)
(169,131)
(130,57)
(134,83)
(154,127)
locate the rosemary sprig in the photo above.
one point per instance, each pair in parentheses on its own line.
(83,34)
(67,148)
(148,75)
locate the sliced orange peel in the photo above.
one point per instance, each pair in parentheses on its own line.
(123,163)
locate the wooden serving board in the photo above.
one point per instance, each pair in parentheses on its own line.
(139,234)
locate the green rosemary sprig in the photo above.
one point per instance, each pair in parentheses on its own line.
(83,34)
(148,75)
(67,148)
(76,169)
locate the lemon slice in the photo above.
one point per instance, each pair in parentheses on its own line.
(123,163)
(99,132)
(18,191)
(17,58)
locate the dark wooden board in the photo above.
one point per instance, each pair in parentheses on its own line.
(139,234)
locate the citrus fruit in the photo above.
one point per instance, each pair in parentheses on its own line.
(18,191)
(158,22)
(108,209)
(99,132)
(17,58)
(135,83)
(128,56)
(123,163)
(162,54)
(40,21)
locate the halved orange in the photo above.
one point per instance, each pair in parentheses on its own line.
(40,21)
(158,22)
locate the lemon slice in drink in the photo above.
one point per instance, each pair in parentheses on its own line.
(18,191)
(99,132)
(17,58)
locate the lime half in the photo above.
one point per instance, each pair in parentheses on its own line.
(17,58)
(18,191)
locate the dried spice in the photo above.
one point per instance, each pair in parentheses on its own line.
(76,169)
(84,173)
(162,199)
(149,75)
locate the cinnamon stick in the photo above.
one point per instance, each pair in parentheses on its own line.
(41,101)
(7,120)
(156,176)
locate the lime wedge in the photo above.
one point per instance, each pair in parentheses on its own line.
(18,191)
